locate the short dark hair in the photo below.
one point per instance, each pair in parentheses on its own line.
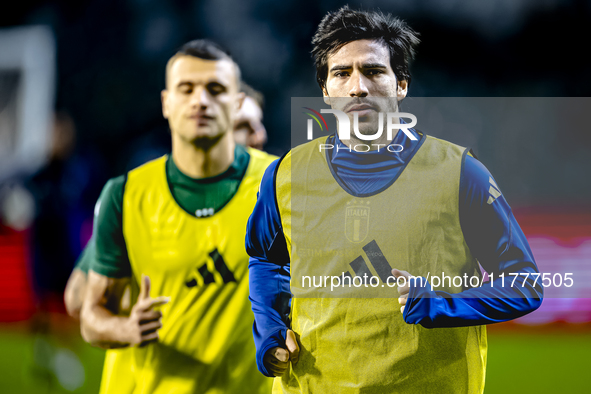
(203,49)
(345,25)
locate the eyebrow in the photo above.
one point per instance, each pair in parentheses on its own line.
(185,82)
(367,65)
(337,68)
(374,65)
(190,83)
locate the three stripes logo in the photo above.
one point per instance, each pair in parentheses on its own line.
(493,190)
(376,259)
(207,276)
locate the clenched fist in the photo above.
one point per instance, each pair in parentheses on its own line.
(277,359)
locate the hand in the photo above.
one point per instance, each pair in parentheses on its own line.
(144,322)
(402,290)
(277,359)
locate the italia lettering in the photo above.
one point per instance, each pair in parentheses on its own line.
(357,212)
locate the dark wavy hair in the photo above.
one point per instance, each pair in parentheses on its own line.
(345,25)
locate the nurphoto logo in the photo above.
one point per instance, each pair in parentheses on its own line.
(344,128)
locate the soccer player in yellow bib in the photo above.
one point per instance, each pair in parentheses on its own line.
(174,229)
(369,218)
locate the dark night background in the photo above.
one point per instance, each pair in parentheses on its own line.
(111,55)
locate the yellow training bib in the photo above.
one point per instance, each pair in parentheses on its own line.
(354,339)
(206,343)
(117,372)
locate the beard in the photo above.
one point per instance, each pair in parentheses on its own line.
(206,142)
(201,139)
(368,124)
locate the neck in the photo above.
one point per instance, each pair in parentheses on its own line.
(376,144)
(203,158)
(380,143)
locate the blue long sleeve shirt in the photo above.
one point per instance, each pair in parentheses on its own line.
(490,230)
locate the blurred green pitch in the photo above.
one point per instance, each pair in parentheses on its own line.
(529,360)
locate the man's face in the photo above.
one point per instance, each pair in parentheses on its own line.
(201,98)
(360,80)
(249,130)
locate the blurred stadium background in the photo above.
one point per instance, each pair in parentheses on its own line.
(79,103)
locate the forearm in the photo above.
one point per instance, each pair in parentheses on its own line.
(269,296)
(74,293)
(103,329)
(101,323)
(494,302)
(268,272)
(496,241)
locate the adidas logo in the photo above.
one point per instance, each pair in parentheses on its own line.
(376,259)
(209,277)
(493,190)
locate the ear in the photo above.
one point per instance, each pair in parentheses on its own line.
(325,95)
(163,97)
(240,100)
(402,90)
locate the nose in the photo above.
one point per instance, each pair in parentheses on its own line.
(358,85)
(199,98)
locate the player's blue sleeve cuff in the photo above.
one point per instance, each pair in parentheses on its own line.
(270,299)
(493,302)
(275,339)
